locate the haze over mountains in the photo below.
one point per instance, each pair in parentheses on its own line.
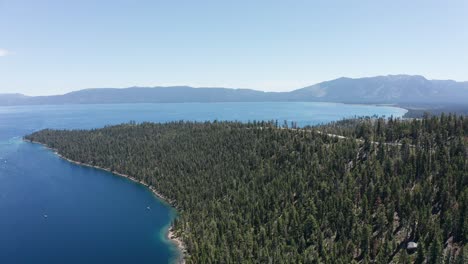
(391,89)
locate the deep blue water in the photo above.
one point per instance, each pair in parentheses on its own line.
(92,215)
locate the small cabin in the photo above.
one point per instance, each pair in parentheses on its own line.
(412,246)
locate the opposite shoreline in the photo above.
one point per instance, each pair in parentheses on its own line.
(170,234)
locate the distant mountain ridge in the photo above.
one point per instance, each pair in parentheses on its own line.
(387,89)
(390,89)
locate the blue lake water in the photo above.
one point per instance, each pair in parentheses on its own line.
(92,215)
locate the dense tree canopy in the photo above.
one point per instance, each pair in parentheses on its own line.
(260,193)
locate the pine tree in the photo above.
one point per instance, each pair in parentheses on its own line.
(420,257)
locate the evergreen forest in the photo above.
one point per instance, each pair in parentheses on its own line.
(353,191)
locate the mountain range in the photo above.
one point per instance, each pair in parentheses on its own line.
(390,89)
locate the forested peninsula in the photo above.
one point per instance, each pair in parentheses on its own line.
(260,192)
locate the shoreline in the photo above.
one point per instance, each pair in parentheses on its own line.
(170,234)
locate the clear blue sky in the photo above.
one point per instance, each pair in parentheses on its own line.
(52,47)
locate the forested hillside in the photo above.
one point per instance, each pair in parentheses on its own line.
(260,193)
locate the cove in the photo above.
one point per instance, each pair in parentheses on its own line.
(53,211)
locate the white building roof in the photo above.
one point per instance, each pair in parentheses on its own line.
(412,245)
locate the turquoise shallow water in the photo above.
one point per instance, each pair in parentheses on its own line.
(92,215)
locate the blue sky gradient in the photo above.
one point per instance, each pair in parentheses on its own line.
(53,47)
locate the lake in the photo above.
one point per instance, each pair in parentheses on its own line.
(52,211)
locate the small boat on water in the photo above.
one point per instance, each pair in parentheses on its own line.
(45,216)
(148,208)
